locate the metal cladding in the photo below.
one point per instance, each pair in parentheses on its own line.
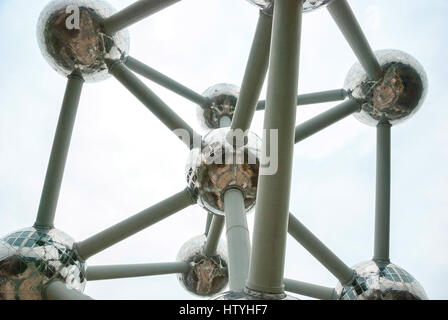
(308,5)
(84,47)
(378,280)
(84,40)
(218,166)
(396,96)
(252,295)
(222,103)
(31,258)
(208,275)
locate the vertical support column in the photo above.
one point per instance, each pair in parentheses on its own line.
(382,201)
(272,208)
(208,223)
(238,241)
(217,222)
(214,235)
(58,157)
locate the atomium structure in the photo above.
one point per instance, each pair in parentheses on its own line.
(228,172)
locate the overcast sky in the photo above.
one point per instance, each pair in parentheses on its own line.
(123,160)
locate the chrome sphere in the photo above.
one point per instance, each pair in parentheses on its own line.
(396,96)
(30,258)
(207,275)
(222,103)
(82,47)
(308,5)
(217,166)
(377,280)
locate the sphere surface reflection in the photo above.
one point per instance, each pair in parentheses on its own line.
(218,166)
(377,280)
(222,103)
(207,275)
(397,96)
(71,37)
(30,258)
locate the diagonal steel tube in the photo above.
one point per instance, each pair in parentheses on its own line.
(134,13)
(309,290)
(173,121)
(256,69)
(345,19)
(96,273)
(134,224)
(214,235)
(165,81)
(57,290)
(314,98)
(238,241)
(319,250)
(382,202)
(273,196)
(59,153)
(326,119)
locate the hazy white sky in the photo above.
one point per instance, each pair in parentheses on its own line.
(122,159)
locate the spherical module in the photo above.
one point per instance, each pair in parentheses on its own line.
(221,107)
(207,275)
(377,280)
(72,38)
(31,258)
(220,165)
(308,5)
(395,97)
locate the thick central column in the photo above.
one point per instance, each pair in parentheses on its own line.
(272,209)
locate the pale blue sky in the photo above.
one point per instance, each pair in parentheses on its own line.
(123,160)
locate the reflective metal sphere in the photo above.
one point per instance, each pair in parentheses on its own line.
(208,275)
(30,258)
(377,280)
(308,5)
(395,97)
(219,166)
(85,47)
(223,98)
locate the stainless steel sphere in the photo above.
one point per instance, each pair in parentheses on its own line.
(30,258)
(222,103)
(207,275)
(396,96)
(376,280)
(218,166)
(84,48)
(308,5)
